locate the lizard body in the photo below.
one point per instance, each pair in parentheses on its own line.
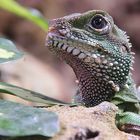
(100,55)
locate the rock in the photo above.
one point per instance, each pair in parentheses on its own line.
(81,123)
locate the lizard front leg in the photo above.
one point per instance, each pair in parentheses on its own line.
(128,117)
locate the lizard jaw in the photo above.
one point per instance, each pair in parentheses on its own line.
(74,56)
(61,42)
(58,43)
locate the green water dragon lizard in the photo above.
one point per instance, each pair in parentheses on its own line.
(100,54)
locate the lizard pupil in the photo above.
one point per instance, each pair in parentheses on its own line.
(98,22)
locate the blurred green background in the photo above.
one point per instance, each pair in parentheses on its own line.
(41,71)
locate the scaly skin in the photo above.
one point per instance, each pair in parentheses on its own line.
(100,55)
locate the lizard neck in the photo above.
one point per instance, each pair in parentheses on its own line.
(98,80)
(93,87)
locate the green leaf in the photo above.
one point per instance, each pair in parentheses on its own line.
(19,120)
(8,51)
(30,95)
(32,15)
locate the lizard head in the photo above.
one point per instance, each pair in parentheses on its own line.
(97,50)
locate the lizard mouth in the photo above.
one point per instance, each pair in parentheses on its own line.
(60,41)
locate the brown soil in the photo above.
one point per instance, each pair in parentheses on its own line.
(95,123)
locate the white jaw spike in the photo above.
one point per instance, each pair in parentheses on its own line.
(94,56)
(81,55)
(64,47)
(69,49)
(75,51)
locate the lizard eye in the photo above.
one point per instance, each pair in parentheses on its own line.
(98,22)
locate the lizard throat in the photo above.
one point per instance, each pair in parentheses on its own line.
(94,86)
